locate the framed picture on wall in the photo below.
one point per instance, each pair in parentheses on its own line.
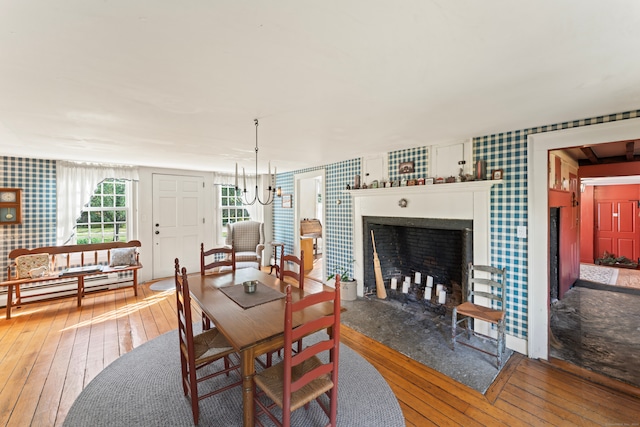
(496,174)
(286,201)
(406,167)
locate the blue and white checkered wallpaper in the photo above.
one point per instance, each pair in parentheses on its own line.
(506,151)
(420,158)
(509,204)
(37,179)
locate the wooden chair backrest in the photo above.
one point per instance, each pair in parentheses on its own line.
(228,260)
(331,343)
(494,286)
(185,322)
(285,260)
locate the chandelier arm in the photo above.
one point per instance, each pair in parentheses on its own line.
(271,191)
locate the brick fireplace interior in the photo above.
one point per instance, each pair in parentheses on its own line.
(440,248)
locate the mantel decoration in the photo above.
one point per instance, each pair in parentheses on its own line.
(406,167)
(272,191)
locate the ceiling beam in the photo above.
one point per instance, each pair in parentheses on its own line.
(630,149)
(590,155)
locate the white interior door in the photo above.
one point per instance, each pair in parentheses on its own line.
(178,222)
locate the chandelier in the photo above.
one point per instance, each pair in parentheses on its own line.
(271,191)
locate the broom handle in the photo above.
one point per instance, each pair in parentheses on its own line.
(373,240)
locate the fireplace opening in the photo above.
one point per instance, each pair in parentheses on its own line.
(440,248)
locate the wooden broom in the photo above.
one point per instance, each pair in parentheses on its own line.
(380,289)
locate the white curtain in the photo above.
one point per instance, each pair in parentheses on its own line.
(75,185)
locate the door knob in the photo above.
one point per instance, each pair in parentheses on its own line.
(157,232)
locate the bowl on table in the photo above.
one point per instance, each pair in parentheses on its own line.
(250,286)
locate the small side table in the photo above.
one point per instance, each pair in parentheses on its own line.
(274,260)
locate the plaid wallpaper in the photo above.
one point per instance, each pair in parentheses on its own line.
(506,151)
(37,179)
(509,204)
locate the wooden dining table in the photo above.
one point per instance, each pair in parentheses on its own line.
(252,331)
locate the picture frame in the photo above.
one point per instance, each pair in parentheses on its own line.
(10,206)
(406,167)
(496,174)
(428,181)
(286,201)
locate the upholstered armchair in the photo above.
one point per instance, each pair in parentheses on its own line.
(247,238)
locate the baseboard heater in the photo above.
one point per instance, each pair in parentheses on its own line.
(69,286)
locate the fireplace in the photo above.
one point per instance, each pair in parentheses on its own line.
(459,210)
(440,248)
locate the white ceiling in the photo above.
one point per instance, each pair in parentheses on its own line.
(178,83)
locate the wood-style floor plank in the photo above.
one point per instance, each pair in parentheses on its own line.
(49,351)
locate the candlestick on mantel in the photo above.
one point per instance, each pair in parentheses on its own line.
(405,287)
(417,278)
(394,283)
(236,175)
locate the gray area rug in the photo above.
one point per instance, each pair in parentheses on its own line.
(423,336)
(163,285)
(142,388)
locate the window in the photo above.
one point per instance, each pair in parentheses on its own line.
(231,207)
(105,217)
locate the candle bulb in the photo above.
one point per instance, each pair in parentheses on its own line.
(418,277)
(430,281)
(405,287)
(438,289)
(394,283)
(427,292)
(407,279)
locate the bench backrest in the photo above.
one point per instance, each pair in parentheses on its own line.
(88,254)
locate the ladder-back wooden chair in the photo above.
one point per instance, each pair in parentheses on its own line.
(490,285)
(298,276)
(302,377)
(197,351)
(285,261)
(224,261)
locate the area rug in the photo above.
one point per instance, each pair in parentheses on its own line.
(163,285)
(142,388)
(599,274)
(423,336)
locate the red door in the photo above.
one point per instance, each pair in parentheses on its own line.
(617,223)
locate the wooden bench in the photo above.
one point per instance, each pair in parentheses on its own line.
(95,258)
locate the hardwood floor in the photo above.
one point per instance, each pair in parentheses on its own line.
(50,351)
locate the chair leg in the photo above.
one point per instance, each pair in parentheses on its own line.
(206,322)
(454,325)
(500,343)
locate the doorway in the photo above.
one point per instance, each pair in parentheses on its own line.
(309,196)
(178,222)
(538,259)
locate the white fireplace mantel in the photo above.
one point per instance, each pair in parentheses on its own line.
(463,200)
